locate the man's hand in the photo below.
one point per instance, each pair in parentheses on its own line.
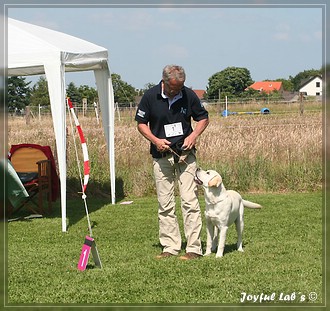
(162,145)
(190,141)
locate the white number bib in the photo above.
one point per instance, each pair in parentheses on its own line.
(174,129)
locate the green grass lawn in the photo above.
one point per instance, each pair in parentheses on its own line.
(282,257)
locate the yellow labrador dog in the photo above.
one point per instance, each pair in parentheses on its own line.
(223,208)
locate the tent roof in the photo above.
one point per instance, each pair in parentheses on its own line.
(31,46)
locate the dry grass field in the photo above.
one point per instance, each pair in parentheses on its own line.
(281,151)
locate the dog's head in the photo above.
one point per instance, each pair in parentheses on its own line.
(208,178)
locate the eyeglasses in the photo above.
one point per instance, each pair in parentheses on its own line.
(173,87)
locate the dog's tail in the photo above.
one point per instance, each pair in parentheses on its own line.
(251,204)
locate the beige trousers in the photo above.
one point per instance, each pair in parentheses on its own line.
(166,172)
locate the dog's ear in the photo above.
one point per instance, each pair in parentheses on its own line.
(215,181)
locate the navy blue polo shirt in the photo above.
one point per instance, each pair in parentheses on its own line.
(154,110)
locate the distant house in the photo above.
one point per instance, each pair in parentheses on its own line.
(311,86)
(267,86)
(200,93)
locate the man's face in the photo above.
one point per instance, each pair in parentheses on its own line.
(172,87)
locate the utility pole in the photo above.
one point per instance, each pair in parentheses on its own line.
(301,104)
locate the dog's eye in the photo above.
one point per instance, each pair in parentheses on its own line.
(208,173)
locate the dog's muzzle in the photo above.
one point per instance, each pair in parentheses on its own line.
(196,179)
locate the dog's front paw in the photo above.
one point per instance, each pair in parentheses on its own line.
(218,255)
(207,253)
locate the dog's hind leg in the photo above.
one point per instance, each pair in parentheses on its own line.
(239,222)
(222,241)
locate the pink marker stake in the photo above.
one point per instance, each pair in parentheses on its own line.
(86,249)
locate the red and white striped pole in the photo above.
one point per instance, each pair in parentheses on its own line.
(83,145)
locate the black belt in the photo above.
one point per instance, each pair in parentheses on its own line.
(165,154)
(176,154)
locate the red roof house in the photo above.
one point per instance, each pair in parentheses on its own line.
(267,86)
(199,93)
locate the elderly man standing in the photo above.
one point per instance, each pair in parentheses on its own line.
(164,117)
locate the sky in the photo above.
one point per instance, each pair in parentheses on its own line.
(271,42)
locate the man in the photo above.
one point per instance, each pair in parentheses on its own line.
(164,118)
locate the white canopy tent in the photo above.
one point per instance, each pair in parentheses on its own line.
(34,50)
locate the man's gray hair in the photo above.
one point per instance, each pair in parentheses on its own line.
(174,72)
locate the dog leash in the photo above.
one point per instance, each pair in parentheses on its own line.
(196,179)
(175,153)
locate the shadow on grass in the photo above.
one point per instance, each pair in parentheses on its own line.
(160,247)
(97,195)
(229,248)
(95,189)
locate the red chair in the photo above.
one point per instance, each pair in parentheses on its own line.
(36,168)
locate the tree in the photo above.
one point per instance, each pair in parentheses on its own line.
(123,92)
(19,93)
(88,92)
(39,93)
(147,86)
(231,81)
(287,84)
(251,93)
(74,94)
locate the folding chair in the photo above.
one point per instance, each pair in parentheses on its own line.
(35,166)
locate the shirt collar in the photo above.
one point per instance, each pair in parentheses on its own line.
(171,101)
